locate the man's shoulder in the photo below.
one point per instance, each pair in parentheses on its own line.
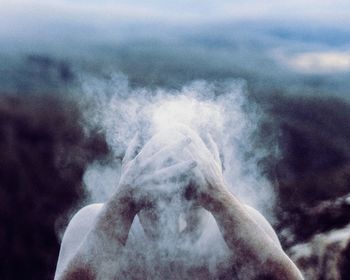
(88,210)
(76,231)
(84,218)
(82,221)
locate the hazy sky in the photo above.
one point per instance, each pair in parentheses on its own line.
(61,22)
(15,11)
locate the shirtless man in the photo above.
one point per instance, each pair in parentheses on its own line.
(155,226)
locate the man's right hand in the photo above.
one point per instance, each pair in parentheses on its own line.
(144,173)
(208,178)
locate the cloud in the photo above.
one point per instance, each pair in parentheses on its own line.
(220,109)
(318,62)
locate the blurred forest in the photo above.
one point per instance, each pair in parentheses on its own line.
(44,152)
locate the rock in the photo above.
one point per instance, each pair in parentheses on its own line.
(325,216)
(326,256)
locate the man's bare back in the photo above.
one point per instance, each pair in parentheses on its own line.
(146,232)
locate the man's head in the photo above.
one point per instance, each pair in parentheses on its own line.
(173,213)
(174,217)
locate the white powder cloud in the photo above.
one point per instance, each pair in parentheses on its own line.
(206,107)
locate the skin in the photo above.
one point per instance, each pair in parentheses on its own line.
(256,252)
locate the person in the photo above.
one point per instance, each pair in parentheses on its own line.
(156,225)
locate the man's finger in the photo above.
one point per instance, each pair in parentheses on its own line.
(148,149)
(170,172)
(164,154)
(189,132)
(213,148)
(132,149)
(199,150)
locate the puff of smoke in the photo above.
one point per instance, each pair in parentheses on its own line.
(220,109)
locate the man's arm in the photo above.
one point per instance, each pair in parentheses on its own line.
(256,253)
(142,174)
(96,254)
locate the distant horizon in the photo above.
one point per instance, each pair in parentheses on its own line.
(294,46)
(192,11)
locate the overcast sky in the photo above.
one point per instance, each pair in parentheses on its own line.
(180,11)
(61,22)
